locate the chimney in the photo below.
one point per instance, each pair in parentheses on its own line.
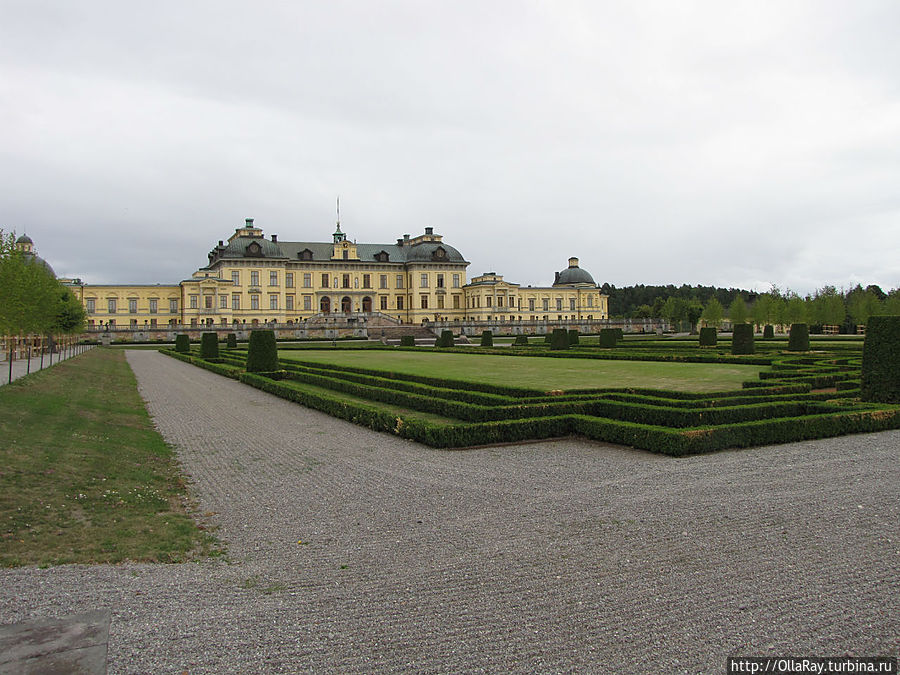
(405,238)
(573,262)
(429,230)
(556,279)
(275,238)
(399,241)
(221,243)
(248,222)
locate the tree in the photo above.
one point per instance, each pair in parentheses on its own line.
(763,309)
(795,309)
(28,295)
(737,311)
(70,314)
(827,307)
(713,312)
(861,304)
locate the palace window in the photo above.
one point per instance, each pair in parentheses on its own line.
(254,301)
(382,281)
(559,304)
(440,280)
(132,306)
(399,281)
(236,278)
(571,304)
(273,278)
(324,281)
(194,321)
(307,303)
(223,301)
(273,301)
(289,279)
(345,281)
(455,302)
(289,302)
(111,306)
(154,305)
(307,280)
(455,281)
(590,301)
(90,305)
(546,305)
(499,301)
(440,301)
(367,281)
(488,301)
(254,278)
(235,301)
(208,301)
(399,302)
(195,301)
(531,305)
(423,300)
(173,306)
(384,301)
(423,281)
(152,323)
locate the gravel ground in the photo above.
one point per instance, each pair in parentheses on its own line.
(545,557)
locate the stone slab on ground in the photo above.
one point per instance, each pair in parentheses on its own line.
(64,646)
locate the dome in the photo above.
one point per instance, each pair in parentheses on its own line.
(252,247)
(24,239)
(433,252)
(574,276)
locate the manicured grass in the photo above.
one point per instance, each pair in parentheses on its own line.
(84,477)
(542,373)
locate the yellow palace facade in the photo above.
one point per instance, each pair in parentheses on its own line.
(252,280)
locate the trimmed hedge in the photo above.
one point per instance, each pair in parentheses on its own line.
(742,339)
(182,343)
(608,337)
(880,379)
(407,341)
(768,332)
(262,352)
(231,341)
(445,340)
(573,337)
(559,339)
(708,336)
(521,341)
(487,339)
(209,346)
(798,338)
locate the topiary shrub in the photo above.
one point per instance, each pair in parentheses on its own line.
(768,332)
(708,336)
(547,338)
(262,352)
(608,337)
(182,343)
(798,338)
(521,341)
(880,381)
(573,337)
(559,339)
(209,346)
(407,340)
(445,340)
(487,339)
(231,341)
(742,339)
(619,334)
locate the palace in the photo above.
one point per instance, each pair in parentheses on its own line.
(251,280)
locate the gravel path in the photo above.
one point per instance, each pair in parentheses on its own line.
(546,557)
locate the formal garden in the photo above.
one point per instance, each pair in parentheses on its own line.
(676,396)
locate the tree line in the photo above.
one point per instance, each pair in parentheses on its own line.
(693,304)
(32,301)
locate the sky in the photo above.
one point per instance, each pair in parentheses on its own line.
(736,144)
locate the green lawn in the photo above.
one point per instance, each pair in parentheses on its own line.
(542,373)
(84,477)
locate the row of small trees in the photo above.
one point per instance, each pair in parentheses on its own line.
(32,301)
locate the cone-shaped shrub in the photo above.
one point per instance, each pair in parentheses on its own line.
(608,337)
(445,340)
(708,336)
(880,381)
(231,341)
(742,339)
(559,339)
(209,346)
(407,340)
(262,352)
(768,332)
(798,338)
(573,337)
(182,343)
(521,340)
(487,339)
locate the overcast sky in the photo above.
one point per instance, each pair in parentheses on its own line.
(727,143)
